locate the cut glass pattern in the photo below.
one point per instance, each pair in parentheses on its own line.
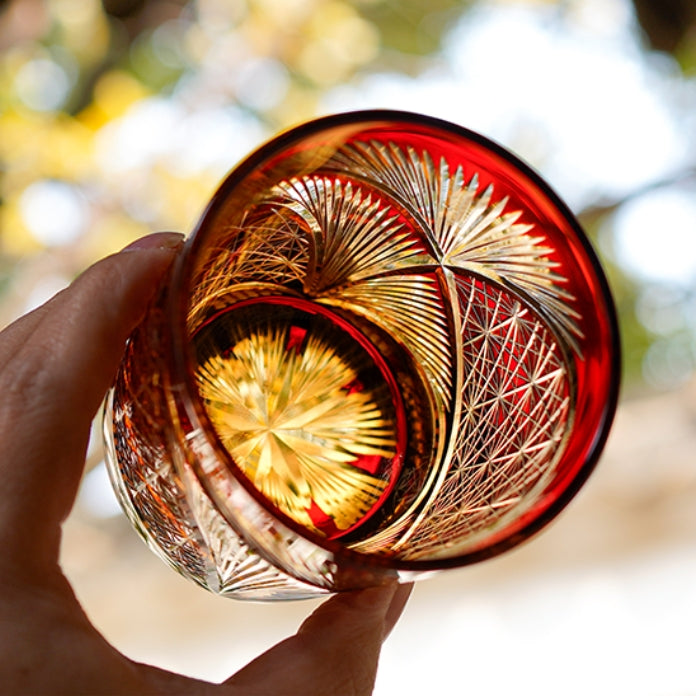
(385,343)
(469,294)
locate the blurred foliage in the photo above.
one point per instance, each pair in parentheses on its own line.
(104,105)
(82,111)
(412,26)
(668,25)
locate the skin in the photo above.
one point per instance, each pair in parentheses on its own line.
(55,366)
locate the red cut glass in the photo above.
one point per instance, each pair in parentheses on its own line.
(387,349)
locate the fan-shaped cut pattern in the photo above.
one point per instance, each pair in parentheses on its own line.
(358,246)
(410,309)
(355,234)
(467,229)
(233,567)
(470,291)
(266,249)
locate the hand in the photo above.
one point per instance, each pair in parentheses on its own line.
(55,365)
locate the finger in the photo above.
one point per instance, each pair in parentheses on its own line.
(55,366)
(14,335)
(336,650)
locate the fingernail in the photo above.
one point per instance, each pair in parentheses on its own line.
(159,240)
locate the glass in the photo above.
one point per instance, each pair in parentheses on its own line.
(387,349)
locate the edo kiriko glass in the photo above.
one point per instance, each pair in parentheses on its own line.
(386,349)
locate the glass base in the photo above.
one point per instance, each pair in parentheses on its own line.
(178,521)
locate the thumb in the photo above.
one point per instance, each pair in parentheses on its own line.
(336,650)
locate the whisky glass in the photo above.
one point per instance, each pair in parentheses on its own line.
(387,349)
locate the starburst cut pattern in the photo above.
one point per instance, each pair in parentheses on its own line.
(390,351)
(299,425)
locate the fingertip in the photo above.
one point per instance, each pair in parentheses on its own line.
(367,604)
(337,645)
(369,608)
(165,241)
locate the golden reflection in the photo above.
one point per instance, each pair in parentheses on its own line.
(290,406)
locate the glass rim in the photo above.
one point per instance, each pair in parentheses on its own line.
(180,360)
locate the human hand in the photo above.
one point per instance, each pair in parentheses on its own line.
(55,365)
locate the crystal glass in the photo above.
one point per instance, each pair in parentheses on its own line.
(387,349)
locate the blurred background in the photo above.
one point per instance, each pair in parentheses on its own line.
(118,117)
